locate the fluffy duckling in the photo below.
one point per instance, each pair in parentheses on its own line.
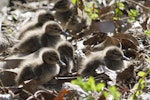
(50,35)
(41,17)
(53,34)
(66,51)
(65,13)
(112,57)
(41,69)
(4,43)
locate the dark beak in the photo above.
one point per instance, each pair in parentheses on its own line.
(52,9)
(64,33)
(61,63)
(125,58)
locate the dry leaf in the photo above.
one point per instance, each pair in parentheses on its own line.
(109,41)
(102,78)
(127,75)
(8,78)
(96,38)
(61,95)
(31,86)
(128,44)
(127,36)
(131,53)
(102,97)
(28,89)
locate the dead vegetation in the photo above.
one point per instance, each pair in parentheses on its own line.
(125,24)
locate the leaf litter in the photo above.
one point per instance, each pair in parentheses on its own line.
(100,34)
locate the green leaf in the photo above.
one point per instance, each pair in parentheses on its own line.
(114,92)
(148,57)
(147,32)
(115,18)
(142,86)
(137,93)
(118,12)
(74,1)
(121,6)
(141,73)
(106,94)
(132,13)
(131,97)
(141,81)
(100,87)
(91,83)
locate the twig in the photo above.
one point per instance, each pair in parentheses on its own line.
(2,85)
(147,8)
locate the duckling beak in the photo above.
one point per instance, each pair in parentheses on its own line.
(64,33)
(61,63)
(52,9)
(125,58)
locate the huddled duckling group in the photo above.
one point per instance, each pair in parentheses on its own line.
(48,54)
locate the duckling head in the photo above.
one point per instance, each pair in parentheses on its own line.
(53,28)
(50,56)
(114,58)
(62,5)
(44,16)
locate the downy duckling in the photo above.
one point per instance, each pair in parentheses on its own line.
(50,35)
(65,13)
(112,57)
(66,51)
(41,17)
(41,69)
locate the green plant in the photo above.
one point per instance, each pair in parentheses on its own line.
(132,14)
(147,32)
(91,86)
(113,91)
(119,7)
(140,85)
(91,10)
(88,8)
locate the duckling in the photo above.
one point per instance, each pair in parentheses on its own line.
(4,43)
(50,35)
(41,69)
(65,13)
(54,33)
(66,51)
(112,57)
(41,17)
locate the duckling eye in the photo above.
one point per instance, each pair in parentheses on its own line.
(56,28)
(53,55)
(115,53)
(47,16)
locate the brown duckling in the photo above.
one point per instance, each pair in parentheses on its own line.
(4,43)
(41,69)
(65,13)
(112,57)
(41,17)
(66,51)
(50,35)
